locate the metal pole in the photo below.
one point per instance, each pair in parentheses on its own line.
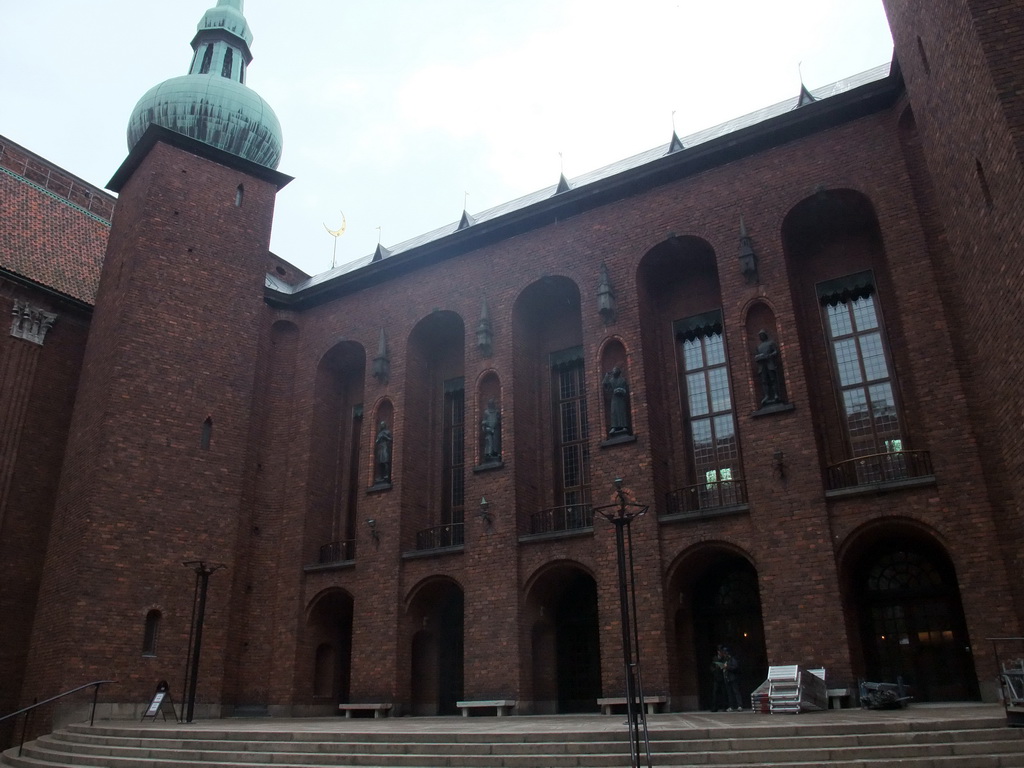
(203,571)
(621,514)
(191,637)
(620,523)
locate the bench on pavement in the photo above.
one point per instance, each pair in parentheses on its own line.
(840,697)
(654,703)
(379,709)
(501,706)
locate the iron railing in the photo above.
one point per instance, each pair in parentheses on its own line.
(889,467)
(27,711)
(440,536)
(337,552)
(702,497)
(569,517)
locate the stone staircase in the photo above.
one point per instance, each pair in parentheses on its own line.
(852,741)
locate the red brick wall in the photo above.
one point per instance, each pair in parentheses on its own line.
(975,50)
(172,342)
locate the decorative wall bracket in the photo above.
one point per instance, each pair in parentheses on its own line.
(382,363)
(30,323)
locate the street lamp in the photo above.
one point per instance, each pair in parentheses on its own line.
(202,570)
(621,513)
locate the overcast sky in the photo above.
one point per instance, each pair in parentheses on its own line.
(394,110)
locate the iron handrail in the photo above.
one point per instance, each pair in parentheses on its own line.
(26,710)
(702,497)
(567,517)
(884,467)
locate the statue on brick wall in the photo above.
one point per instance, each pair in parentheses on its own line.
(768,369)
(383,453)
(617,388)
(490,432)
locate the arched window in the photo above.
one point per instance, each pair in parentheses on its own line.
(239,196)
(206,434)
(225,70)
(150,633)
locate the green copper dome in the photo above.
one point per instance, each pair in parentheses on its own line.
(212,103)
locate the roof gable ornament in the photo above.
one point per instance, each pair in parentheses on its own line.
(466,221)
(563,184)
(806,97)
(675,145)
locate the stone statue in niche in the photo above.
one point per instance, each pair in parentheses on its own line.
(382,452)
(490,432)
(617,388)
(767,359)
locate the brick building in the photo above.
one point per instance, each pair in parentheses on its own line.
(397,461)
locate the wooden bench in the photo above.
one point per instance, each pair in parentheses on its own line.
(501,706)
(654,703)
(379,709)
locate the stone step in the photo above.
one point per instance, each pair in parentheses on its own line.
(104,744)
(847,741)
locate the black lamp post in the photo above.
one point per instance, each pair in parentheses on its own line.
(620,514)
(203,571)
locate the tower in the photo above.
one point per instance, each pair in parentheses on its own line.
(964,120)
(159,458)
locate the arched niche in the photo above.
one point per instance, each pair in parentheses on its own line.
(434,451)
(903,609)
(841,289)
(761,319)
(382,445)
(562,632)
(617,413)
(335,440)
(548,378)
(434,622)
(489,444)
(685,357)
(326,648)
(713,597)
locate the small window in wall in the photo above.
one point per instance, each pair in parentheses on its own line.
(225,70)
(150,633)
(206,434)
(924,57)
(239,196)
(983,183)
(207,60)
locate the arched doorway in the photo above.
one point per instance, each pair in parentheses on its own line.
(437,648)
(565,642)
(910,619)
(330,646)
(719,603)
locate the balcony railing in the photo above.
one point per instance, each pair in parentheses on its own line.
(571,517)
(703,497)
(891,467)
(337,552)
(440,536)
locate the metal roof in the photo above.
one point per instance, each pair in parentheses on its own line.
(650,156)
